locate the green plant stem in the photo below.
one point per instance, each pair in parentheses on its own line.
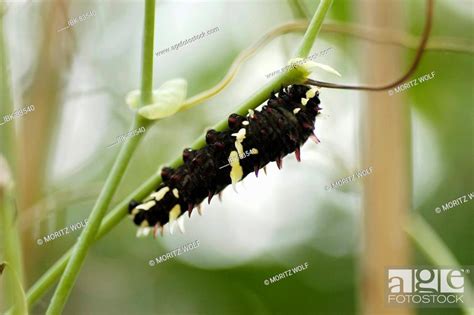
(110,221)
(20,306)
(147,53)
(88,235)
(120,211)
(12,246)
(299,12)
(313,28)
(8,224)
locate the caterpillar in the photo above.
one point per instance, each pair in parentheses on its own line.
(249,144)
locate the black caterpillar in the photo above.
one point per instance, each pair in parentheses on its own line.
(251,142)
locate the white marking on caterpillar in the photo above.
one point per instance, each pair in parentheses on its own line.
(173,215)
(143,231)
(311,93)
(240,136)
(254,151)
(176,193)
(296,110)
(175,212)
(144,223)
(245,123)
(236,172)
(304,101)
(146,206)
(160,194)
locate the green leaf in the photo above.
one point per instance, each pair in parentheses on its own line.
(167,100)
(308,66)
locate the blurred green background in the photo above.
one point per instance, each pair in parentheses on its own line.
(78,79)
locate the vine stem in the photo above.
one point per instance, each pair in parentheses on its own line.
(120,211)
(313,29)
(88,235)
(11,242)
(411,70)
(298,9)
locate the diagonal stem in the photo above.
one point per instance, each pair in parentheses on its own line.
(313,29)
(11,241)
(88,235)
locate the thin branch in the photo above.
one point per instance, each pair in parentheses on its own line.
(21,306)
(392,37)
(120,211)
(88,235)
(11,242)
(411,70)
(313,30)
(298,9)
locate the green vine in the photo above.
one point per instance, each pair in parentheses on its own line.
(87,237)
(8,225)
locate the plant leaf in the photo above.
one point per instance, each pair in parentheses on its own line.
(308,66)
(167,100)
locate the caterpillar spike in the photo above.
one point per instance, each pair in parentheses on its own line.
(298,154)
(279,163)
